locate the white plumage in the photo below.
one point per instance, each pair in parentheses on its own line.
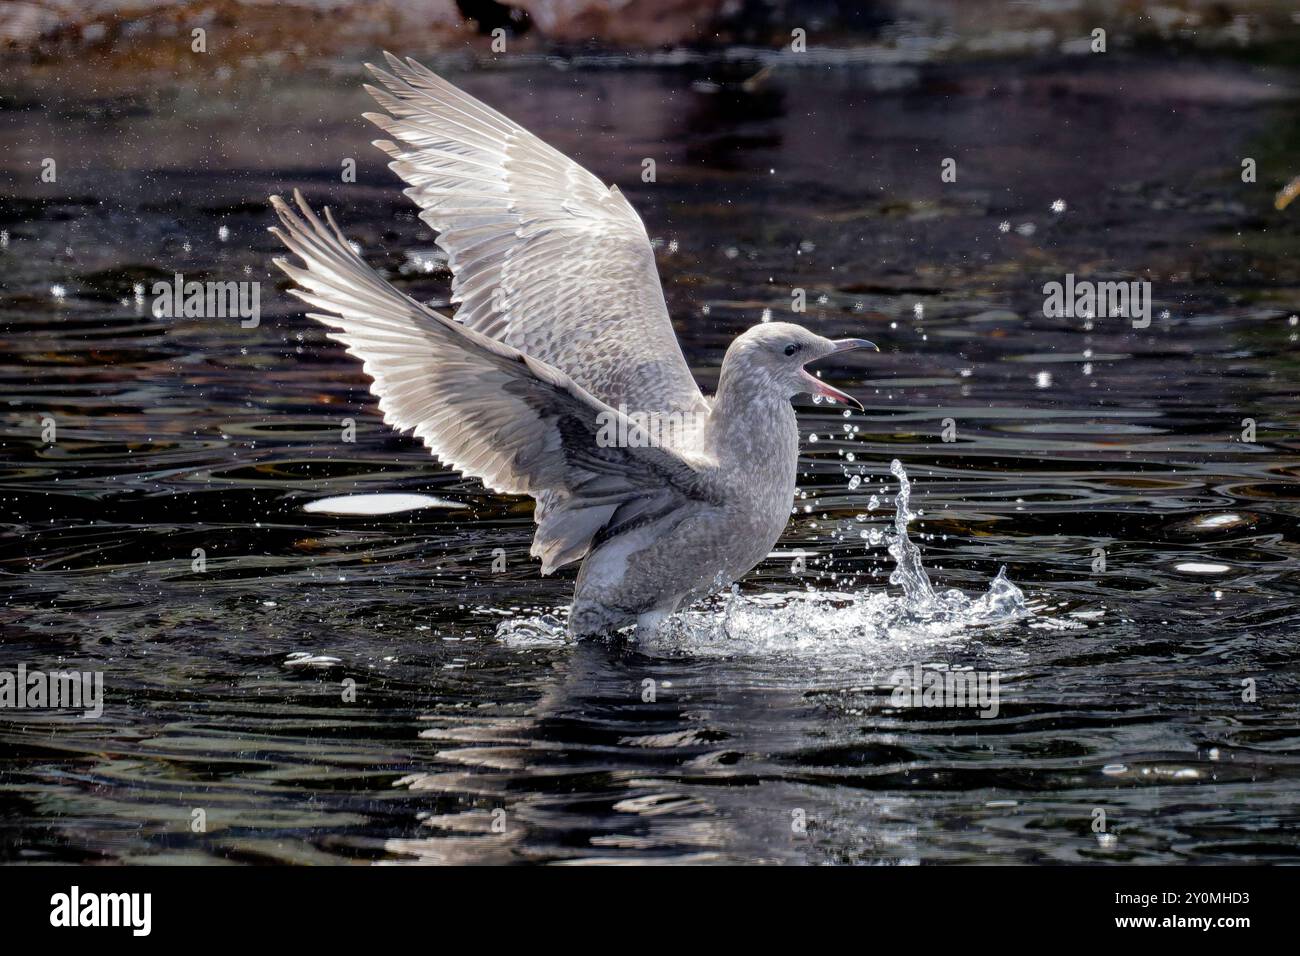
(545,257)
(561,328)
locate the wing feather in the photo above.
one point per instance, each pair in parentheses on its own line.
(544,256)
(485,408)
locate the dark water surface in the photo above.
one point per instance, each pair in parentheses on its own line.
(1122,690)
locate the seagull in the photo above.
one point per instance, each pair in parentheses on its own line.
(560,376)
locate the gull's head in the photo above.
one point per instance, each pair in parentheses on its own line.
(773,355)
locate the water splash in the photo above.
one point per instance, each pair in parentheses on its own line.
(827,624)
(909,574)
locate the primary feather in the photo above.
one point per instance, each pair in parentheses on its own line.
(543,255)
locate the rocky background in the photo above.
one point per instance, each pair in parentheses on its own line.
(157,33)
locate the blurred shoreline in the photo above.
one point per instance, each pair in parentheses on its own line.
(151,38)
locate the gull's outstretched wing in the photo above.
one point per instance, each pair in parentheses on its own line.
(485,408)
(544,256)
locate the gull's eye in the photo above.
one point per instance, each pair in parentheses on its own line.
(792,348)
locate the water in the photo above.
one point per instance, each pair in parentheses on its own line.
(327,685)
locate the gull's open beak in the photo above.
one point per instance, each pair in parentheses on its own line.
(845,345)
(817,387)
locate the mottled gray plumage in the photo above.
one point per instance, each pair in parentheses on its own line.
(524,388)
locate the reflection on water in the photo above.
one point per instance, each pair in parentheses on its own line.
(378,679)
